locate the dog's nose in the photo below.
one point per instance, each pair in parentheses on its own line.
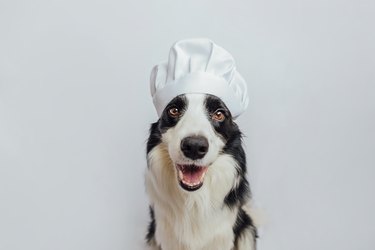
(194,147)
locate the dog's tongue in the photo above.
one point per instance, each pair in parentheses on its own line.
(193,175)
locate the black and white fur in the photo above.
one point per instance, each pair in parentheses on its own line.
(216,215)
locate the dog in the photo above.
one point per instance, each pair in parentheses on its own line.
(196,178)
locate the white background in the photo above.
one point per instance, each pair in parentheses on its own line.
(75,110)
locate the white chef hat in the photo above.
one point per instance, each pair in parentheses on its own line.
(198,66)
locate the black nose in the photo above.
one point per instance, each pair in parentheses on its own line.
(194,147)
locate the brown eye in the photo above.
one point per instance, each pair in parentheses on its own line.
(174,112)
(218,116)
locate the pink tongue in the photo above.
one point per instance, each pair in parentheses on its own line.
(193,175)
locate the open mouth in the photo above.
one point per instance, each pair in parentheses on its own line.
(191,176)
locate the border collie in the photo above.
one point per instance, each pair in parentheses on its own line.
(196,178)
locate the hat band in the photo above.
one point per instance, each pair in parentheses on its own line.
(198,82)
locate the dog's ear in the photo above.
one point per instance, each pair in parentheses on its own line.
(155,137)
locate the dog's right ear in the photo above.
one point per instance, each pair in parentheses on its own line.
(154,138)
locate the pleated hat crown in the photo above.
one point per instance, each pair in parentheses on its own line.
(199,66)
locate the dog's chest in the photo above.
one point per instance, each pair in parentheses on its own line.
(194,228)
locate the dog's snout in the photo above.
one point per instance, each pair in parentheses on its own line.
(194,147)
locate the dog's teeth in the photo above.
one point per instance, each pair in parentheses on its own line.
(202,177)
(190,184)
(180,175)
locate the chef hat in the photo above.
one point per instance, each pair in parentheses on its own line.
(198,66)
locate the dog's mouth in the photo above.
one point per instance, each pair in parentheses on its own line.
(191,176)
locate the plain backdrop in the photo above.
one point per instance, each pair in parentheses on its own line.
(75,110)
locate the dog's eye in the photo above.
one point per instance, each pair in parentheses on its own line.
(174,112)
(218,116)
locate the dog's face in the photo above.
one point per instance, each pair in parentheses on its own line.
(195,129)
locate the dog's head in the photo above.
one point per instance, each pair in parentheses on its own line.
(196,129)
